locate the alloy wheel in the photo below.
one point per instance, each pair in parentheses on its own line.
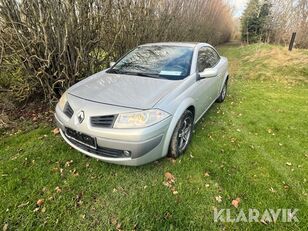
(224,91)
(184,133)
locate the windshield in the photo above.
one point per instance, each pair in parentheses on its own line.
(172,62)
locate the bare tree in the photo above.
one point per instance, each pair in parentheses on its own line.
(50,44)
(289,16)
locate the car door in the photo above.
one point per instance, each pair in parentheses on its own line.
(207,87)
(217,63)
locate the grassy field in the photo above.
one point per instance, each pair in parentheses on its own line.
(254,147)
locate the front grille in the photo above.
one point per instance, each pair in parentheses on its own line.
(103,121)
(68,111)
(101,151)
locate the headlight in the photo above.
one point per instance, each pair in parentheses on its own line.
(140,119)
(63,101)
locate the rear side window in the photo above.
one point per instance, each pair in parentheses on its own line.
(207,58)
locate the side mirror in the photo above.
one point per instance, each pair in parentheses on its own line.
(111,64)
(208,73)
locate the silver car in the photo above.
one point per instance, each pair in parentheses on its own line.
(144,106)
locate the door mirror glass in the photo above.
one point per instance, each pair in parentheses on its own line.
(208,73)
(111,64)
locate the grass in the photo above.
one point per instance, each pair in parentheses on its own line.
(253,146)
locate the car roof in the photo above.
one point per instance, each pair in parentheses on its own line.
(184,44)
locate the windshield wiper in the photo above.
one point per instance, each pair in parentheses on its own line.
(114,71)
(152,75)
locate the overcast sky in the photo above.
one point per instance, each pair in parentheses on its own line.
(238,6)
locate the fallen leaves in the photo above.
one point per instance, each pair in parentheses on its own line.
(23,204)
(167,215)
(66,168)
(58,189)
(56,131)
(236,202)
(169,178)
(5,227)
(272,190)
(169,182)
(68,163)
(218,199)
(270,131)
(113,221)
(172,160)
(74,172)
(40,202)
(61,171)
(43,137)
(118,226)
(120,190)
(285,186)
(116,223)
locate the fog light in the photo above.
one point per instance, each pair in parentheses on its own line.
(126,153)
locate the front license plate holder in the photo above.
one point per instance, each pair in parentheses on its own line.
(81,137)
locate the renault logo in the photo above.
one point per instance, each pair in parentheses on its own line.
(81,116)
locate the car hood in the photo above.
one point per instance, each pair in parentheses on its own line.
(123,90)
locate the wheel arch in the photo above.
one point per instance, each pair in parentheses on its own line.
(186,104)
(192,109)
(225,79)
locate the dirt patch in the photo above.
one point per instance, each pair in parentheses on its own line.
(20,117)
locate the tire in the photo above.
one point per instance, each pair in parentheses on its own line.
(223,93)
(182,134)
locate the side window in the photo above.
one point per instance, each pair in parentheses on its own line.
(207,58)
(213,57)
(202,62)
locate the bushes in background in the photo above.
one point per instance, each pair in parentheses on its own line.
(52,44)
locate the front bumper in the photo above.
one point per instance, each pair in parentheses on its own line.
(144,145)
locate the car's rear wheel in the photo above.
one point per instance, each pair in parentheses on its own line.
(182,134)
(223,93)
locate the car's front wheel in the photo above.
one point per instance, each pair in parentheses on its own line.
(182,134)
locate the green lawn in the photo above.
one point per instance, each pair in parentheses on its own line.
(253,146)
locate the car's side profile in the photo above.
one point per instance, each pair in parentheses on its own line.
(144,107)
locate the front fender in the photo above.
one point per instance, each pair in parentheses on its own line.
(175,118)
